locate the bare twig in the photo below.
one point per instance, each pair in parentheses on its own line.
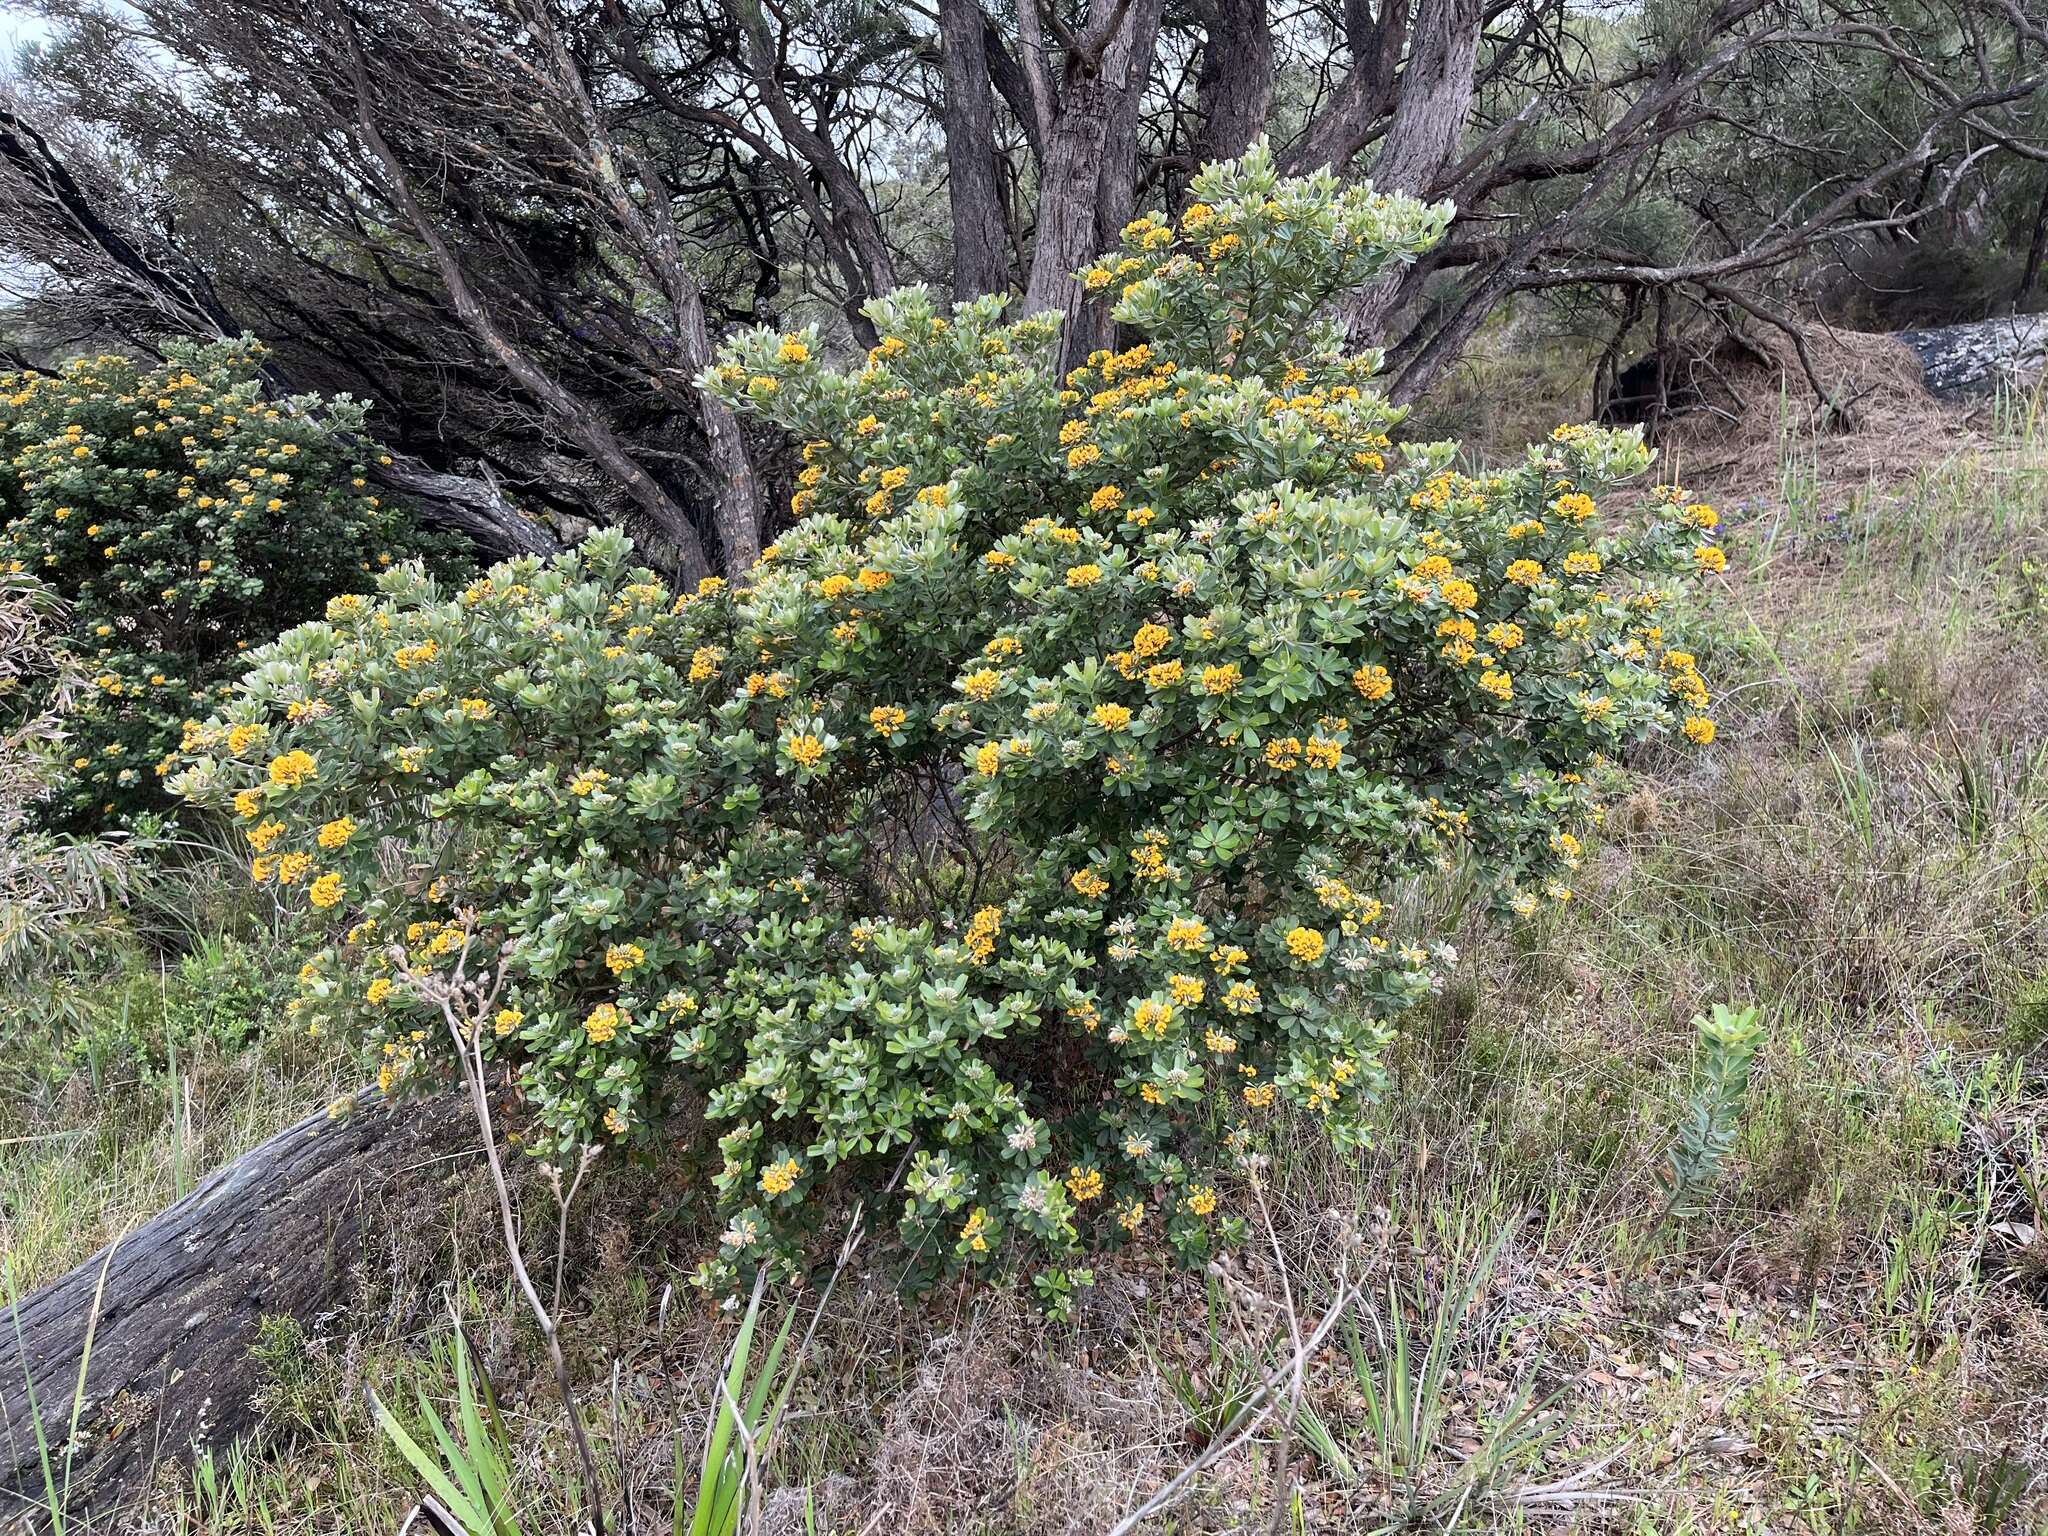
(465,1002)
(1283,1384)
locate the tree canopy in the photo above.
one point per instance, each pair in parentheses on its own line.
(518,227)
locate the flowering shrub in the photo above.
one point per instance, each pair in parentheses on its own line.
(1027,826)
(184,518)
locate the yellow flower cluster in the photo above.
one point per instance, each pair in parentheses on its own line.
(1373,682)
(1305,944)
(982,933)
(1151,1018)
(1159,720)
(1088,884)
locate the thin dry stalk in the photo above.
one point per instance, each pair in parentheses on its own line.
(465,1002)
(1283,1386)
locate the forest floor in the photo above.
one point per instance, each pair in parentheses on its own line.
(1849,1333)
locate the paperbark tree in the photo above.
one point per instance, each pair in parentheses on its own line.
(974,194)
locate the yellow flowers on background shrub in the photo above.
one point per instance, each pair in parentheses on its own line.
(184,517)
(1052,850)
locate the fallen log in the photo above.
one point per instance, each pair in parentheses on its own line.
(172,1309)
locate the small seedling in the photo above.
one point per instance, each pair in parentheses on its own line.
(1728,1042)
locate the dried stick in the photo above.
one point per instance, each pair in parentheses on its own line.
(1246,1421)
(465,1003)
(1282,1478)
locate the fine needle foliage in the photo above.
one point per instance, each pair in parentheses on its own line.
(1038,806)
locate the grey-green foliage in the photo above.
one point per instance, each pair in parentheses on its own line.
(1728,1042)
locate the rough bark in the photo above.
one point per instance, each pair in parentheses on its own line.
(1348,119)
(738,505)
(1436,93)
(1116,199)
(1099,68)
(980,241)
(172,1309)
(472,506)
(1234,89)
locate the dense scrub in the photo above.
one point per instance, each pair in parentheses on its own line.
(1025,830)
(1844,1334)
(184,517)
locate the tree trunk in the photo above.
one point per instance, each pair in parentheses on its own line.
(1436,93)
(472,506)
(578,420)
(1070,190)
(736,490)
(1117,197)
(1351,116)
(1975,360)
(980,241)
(170,1311)
(1235,87)
(2037,246)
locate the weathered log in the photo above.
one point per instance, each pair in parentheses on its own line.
(1962,361)
(178,1302)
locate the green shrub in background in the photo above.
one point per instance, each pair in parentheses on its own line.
(184,518)
(225,992)
(1021,834)
(56,894)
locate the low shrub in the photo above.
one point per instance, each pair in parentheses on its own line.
(1023,832)
(184,518)
(226,992)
